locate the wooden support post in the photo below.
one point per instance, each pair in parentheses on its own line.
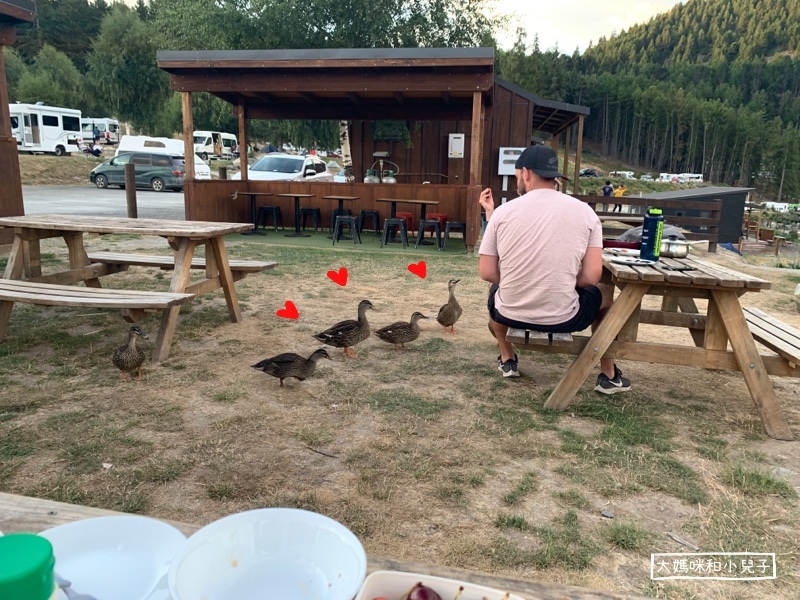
(130,189)
(11,204)
(576,186)
(473,218)
(243,164)
(566,157)
(188,134)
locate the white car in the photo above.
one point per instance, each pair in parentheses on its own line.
(287,167)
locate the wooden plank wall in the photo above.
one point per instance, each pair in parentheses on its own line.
(211,200)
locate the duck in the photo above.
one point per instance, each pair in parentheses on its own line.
(450,313)
(129,357)
(347,334)
(290,364)
(401,332)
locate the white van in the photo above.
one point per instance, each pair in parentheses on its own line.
(690,177)
(172,147)
(623,174)
(45,129)
(215,144)
(108,128)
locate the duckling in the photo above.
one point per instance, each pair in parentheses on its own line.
(128,358)
(346,334)
(290,364)
(450,313)
(401,332)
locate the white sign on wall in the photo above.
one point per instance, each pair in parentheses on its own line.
(508,156)
(455,147)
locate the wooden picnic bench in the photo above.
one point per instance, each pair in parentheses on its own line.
(239,268)
(135,304)
(679,282)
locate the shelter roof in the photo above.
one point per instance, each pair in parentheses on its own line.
(549,116)
(361,83)
(16,11)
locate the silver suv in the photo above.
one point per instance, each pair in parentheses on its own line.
(287,167)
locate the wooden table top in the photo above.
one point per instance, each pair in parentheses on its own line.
(341,197)
(427,202)
(701,274)
(296,195)
(22,513)
(94,224)
(238,193)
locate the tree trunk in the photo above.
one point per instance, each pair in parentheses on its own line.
(347,159)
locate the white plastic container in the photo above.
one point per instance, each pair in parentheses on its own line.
(394,584)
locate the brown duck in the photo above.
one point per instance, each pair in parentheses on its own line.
(129,357)
(290,364)
(346,334)
(401,332)
(451,312)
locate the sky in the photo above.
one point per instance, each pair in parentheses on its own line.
(574,23)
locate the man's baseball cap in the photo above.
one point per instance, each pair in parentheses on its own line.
(542,160)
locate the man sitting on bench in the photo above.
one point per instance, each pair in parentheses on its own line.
(542,253)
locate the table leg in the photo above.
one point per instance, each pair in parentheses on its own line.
(254,217)
(750,363)
(226,278)
(579,370)
(180,280)
(78,257)
(16,260)
(297,232)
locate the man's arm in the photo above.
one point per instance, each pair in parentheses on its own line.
(591,268)
(489,268)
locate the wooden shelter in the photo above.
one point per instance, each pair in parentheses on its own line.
(435,91)
(12,13)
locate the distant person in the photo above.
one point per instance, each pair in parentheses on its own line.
(82,147)
(618,193)
(95,133)
(608,190)
(256,148)
(96,149)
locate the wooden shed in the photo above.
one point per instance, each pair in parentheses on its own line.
(435,91)
(12,13)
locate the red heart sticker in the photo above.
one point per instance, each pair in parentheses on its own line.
(339,277)
(419,269)
(290,312)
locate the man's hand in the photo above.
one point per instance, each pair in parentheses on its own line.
(487,202)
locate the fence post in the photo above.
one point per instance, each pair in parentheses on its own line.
(130,190)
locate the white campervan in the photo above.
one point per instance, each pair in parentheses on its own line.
(215,144)
(623,174)
(690,177)
(172,147)
(45,129)
(108,129)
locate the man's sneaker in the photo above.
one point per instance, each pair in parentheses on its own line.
(612,386)
(508,368)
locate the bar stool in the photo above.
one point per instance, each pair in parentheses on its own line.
(409,217)
(316,217)
(264,212)
(369,214)
(335,213)
(433,224)
(457,226)
(351,222)
(441,217)
(396,222)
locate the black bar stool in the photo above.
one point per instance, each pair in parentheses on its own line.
(457,226)
(316,217)
(351,222)
(369,214)
(345,212)
(425,224)
(264,212)
(396,222)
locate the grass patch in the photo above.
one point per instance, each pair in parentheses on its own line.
(401,401)
(511,522)
(627,536)
(221,491)
(453,494)
(572,498)
(314,435)
(564,545)
(528,485)
(753,482)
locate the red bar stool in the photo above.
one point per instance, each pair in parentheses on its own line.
(409,217)
(441,217)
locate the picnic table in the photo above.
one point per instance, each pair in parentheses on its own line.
(24,282)
(679,282)
(25,514)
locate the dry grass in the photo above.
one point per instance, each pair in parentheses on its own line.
(428,454)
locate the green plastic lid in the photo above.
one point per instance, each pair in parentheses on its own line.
(653,211)
(26,567)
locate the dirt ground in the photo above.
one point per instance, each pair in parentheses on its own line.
(427,455)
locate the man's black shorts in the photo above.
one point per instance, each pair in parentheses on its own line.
(589,301)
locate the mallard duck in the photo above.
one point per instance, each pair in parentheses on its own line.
(401,332)
(128,358)
(346,334)
(450,313)
(290,364)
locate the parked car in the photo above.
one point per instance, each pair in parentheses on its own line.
(589,172)
(287,167)
(646,177)
(339,177)
(152,170)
